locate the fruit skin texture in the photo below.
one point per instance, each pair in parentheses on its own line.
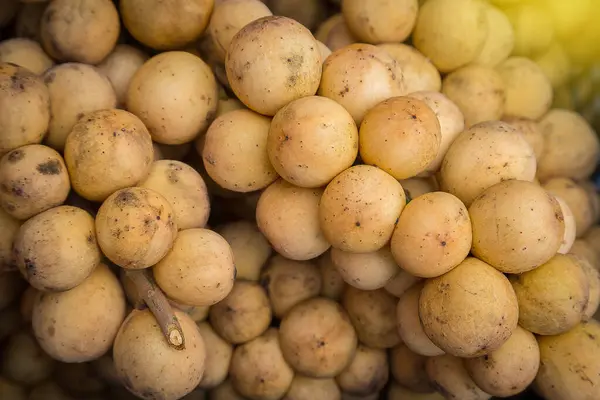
(57,250)
(166,25)
(229,17)
(288,216)
(185,190)
(510,369)
(365,271)
(85,31)
(234,151)
(372,315)
(289,282)
(317,338)
(576,160)
(198,270)
(368,373)
(451,32)
(284,48)
(517,226)
(570,363)
(401,136)
(33,179)
(175,95)
(359,76)
(478,91)
(449,376)
(359,209)
(500,40)
(148,366)
(418,72)
(552,297)
(578,201)
(80,324)
(410,326)
(452,123)
(24,113)
(243,315)
(469,311)
(311,140)
(408,368)
(528,89)
(75,90)
(433,235)
(258,369)
(135,227)
(106,151)
(484,155)
(251,249)
(120,66)
(380,21)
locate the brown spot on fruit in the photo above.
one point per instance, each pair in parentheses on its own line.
(126,198)
(51,167)
(17,83)
(15,155)
(172,173)
(30,267)
(15,189)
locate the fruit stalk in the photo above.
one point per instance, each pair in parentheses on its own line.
(158,303)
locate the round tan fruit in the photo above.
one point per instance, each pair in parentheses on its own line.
(359,209)
(24,107)
(517,226)
(432,236)
(80,324)
(470,311)
(198,270)
(318,350)
(401,136)
(135,227)
(170,373)
(294,64)
(311,140)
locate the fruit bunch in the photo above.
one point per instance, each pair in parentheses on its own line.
(285,199)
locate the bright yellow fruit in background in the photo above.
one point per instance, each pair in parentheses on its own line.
(568,16)
(556,64)
(500,39)
(451,33)
(506,3)
(533,28)
(583,46)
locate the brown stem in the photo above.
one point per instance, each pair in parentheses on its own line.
(157,302)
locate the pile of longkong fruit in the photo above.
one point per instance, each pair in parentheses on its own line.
(298,199)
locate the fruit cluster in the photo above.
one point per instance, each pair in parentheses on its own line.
(299,199)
